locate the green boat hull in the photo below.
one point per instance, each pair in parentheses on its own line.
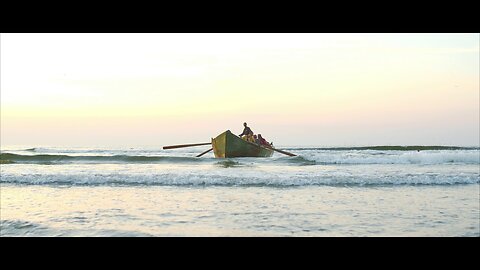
(228,145)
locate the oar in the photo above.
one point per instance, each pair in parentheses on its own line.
(184,145)
(205,152)
(284,152)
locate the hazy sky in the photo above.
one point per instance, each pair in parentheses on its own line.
(295,89)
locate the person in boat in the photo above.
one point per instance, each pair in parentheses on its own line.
(262,140)
(257,141)
(249,138)
(246,131)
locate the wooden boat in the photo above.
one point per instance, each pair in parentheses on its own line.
(227,145)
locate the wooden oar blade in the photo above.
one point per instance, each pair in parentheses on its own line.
(284,152)
(184,145)
(205,152)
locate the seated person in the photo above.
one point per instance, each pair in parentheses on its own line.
(262,140)
(251,138)
(257,141)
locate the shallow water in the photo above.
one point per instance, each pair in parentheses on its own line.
(37,210)
(152,192)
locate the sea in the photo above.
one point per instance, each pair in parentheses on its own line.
(369,191)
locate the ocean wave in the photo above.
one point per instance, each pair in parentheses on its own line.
(427,158)
(60,150)
(22,228)
(243,179)
(58,159)
(305,157)
(44,150)
(385,148)
(193,151)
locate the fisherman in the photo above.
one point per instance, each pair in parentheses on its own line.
(257,141)
(251,138)
(262,140)
(246,131)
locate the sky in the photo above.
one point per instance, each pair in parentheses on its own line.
(101,89)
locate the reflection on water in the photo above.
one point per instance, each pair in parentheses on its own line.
(35,210)
(229,163)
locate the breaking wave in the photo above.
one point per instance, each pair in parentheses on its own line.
(427,157)
(223,179)
(55,159)
(304,158)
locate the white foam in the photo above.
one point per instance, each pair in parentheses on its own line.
(246,178)
(395,157)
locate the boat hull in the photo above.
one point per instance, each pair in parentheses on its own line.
(228,145)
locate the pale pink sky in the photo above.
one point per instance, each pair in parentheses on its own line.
(295,89)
